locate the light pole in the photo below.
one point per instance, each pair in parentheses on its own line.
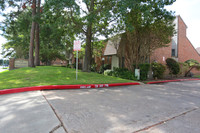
(103,59)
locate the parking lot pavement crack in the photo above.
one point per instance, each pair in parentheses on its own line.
(61,122)
(55,128)
(164,121)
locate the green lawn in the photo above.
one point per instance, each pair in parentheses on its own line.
(48,75)
(197,76)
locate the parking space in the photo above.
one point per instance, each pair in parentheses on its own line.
(145,108)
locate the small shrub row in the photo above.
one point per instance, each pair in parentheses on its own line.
(121,73)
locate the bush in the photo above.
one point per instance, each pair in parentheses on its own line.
(173,66)
(68,66)
(104,67)
(108,72)
(158,70)
(183,68)
(192,64)
(93,68)
(123,73)
(144,69)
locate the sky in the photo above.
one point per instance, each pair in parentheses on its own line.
(189,11)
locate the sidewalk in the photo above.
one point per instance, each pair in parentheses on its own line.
(1,70)
(27,113)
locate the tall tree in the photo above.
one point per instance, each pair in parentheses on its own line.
(89,18)
(147,25)
(56,33)
(16,29)
(37,36)
(95,20)
(32,35)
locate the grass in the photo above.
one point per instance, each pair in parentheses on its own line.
(197,76)
(5,68)
(49,75)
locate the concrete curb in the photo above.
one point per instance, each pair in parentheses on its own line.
(166,81)
(52,87)
(86,86)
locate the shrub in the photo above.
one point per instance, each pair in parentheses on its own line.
(108,72)
(173,66)
(192,64)
(158,70)
(144,69)
(68,66)
(104,67)
(93,68)
(183,68)
(123,73)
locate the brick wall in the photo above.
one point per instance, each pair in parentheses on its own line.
(59,62)
(161,54)
(186,50)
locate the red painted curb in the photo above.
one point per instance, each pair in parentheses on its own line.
(166,81)
(50,87)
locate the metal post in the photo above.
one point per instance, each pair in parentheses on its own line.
(3,63)
(76,64)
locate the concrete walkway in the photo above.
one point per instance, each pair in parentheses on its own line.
(1,69)
(27,113)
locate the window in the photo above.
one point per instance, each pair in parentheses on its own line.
(173,52)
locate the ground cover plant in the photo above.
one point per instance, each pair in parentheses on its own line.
(49,75)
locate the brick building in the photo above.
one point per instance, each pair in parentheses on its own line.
(180,48)
(198,50)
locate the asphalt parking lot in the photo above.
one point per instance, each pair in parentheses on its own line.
(162,108)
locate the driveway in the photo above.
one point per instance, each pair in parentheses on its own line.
(171,107)
(164,108)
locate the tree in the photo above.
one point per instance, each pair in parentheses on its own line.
(9,3)
(37,36)
(34,27)
(32,35)
(192,64)
(56,35)
(16,29)
(89,22)
(147,26)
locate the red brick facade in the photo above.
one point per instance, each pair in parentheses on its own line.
(186,50)
(161,54)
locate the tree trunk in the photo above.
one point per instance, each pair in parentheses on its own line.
(186,74)
(32,36)
(37,38)
(88,50)
(88,56)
